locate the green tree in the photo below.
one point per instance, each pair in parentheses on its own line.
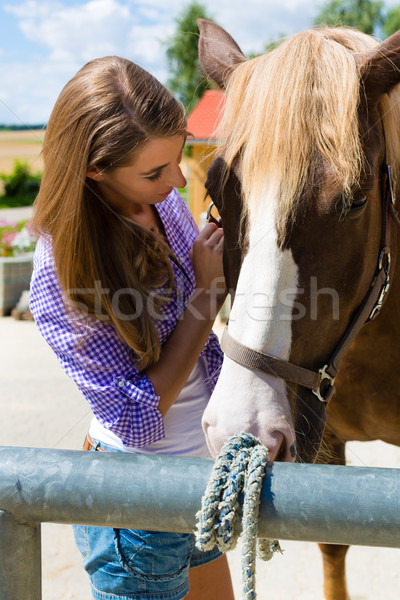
(392,21)
(365,15)
(186,78)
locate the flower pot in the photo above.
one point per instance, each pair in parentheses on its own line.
(15,276)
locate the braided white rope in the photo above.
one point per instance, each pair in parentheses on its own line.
(239,468)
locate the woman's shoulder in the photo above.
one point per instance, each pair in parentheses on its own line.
(43,257)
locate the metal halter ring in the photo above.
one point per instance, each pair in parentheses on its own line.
(330,390)
(209,209)
(210,218)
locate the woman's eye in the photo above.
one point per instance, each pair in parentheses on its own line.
(154,177)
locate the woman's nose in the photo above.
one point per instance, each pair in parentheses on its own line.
(177,178)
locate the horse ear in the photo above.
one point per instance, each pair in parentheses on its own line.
(219,54)
(380,68)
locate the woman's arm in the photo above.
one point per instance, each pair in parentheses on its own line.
(183,348)
(121,397)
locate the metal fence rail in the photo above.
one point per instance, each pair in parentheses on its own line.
(349,505)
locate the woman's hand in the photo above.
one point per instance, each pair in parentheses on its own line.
(206,256)
(182,349)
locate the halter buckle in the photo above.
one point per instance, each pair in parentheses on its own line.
(384,252)
(325,395)
(386,284)
(390,178)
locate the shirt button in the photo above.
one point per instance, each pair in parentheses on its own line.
(121,383)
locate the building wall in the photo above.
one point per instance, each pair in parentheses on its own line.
(196,167)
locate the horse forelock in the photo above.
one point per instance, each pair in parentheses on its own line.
(291,107)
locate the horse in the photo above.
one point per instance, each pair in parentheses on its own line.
(305,181)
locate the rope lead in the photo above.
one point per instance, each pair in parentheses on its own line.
(239,468)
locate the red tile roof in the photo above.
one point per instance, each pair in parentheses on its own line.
(205,116)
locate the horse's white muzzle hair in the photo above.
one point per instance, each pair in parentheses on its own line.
(245,400)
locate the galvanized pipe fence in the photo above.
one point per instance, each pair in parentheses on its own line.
(321,503)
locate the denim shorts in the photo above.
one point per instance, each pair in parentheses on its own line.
(126,564)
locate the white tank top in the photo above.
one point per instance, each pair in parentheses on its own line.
(182,423)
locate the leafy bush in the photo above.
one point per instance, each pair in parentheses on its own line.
(21,187)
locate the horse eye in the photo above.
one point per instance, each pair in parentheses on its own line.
(357,205)
(359,202)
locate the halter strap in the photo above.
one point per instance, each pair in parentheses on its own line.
(278,367)
(321,382)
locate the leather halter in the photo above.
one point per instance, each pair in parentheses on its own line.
(321,382)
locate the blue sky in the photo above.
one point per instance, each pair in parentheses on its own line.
(44,42)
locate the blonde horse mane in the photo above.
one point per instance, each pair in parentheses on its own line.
(294,103)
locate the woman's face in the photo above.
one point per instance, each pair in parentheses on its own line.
(148,180)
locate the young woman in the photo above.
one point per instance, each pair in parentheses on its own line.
(125,290)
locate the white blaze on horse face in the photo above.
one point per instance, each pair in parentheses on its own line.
(246,399)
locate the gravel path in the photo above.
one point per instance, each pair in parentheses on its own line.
(40,407)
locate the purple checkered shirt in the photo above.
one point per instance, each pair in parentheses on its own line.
(90,352)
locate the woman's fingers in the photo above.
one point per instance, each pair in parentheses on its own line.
(207,256)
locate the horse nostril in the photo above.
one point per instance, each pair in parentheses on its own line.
(279,449)
(293,451)
(276,446)
(280,455)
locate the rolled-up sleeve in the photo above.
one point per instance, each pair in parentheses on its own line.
(213,353)
(121,397)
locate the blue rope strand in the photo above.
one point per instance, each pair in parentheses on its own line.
(240,468)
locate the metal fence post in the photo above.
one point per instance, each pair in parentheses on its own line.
(20,559)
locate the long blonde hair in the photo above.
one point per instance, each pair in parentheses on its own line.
(301,99)
(103,116)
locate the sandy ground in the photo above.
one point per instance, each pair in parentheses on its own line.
(21,145)
(40,407)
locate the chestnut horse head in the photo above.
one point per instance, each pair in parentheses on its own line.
(300,182)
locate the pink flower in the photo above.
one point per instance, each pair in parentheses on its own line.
(8,237)
(29,227)
(16,238)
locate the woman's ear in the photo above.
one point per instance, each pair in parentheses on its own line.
(95,174)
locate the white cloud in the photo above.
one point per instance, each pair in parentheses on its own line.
(99,27)
(69,33)
(28,93)
(79,32)
(71,36)
(254,22)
